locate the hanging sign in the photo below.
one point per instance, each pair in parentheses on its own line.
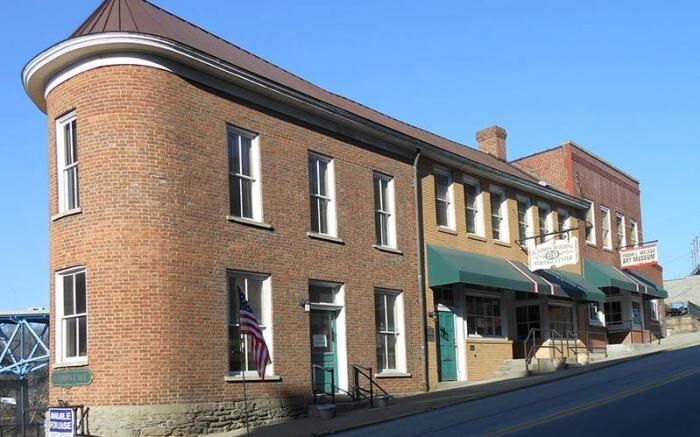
(553,253)
(61,422)
(644,255)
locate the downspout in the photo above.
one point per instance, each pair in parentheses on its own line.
(420,248)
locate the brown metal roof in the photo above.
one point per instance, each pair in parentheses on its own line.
(140,16)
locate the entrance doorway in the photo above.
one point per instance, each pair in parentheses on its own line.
(447,347)
(324,350)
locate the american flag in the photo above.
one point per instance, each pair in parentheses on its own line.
(251,327)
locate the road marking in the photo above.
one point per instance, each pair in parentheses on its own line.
(593,404)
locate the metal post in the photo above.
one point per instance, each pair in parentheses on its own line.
(22,400)
(371,389)
(333,385)
(245,391)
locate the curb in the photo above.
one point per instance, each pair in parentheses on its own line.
(575,372)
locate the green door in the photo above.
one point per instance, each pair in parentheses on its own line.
(323,349)
(446,346)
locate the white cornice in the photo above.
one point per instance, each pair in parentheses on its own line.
(68,58)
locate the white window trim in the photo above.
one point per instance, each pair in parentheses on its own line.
(566,224)
(400,336)
(654,309)
(624,230)
(266,319)
(504,229)
(332,224)
(529,228)
(450,199)
(593,240)
(600,315)
(605,212)
(59,340)
(479,204)
(634,232)
(548,221)
(256,170)
(61,167)
(391,210)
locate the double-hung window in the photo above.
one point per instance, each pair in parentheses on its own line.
(256,289)
(322,193)
(590,224)
(71,312)
(389,322)
(499,211)
(634,233)
(654,309)
(563,223)
(605,227)
(561,318)
(67,163)
(472,202)
(545,221)
(384,215)
(620,228)
(444,200)
(637,313)
(524,225)
(244,175)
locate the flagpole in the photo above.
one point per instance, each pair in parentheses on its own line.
(245,391)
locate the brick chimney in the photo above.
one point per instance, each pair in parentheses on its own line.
(492,140)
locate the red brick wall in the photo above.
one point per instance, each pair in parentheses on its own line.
(549,166)
(155,240)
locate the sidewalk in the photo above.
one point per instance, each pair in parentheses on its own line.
(424,402)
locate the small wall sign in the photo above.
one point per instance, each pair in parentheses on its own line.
(61,422)
(72,377)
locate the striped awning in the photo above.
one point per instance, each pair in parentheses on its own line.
(645,285)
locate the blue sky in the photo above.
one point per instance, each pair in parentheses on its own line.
(620,78)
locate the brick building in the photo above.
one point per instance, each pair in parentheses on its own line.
(485,305)
(183,169)
(634,306)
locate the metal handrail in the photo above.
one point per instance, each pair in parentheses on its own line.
(585,337)
(359,392)
(531,351)
(317,392)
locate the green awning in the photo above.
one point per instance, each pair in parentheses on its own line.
(651,287)
(451,266)
(603,275)
(573,285)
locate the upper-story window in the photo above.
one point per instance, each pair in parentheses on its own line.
(67,163)
(499,214)
(564,222)
(634,233)
(590,224)
(544,213)
(444,199)
(71,316)
(620,228)
(524,219)
(244,175)
(384,217)
(473,205)
(322,193)
(605,227)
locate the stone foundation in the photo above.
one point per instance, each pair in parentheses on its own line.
(188,419)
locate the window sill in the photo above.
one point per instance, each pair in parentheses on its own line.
(589,244)
(502,243)
(393,374)
(387,249)
(607,249)
(323,237)
(479,339)
(68,364)
(249,222)
(60,215)
(596,323)
(446,230)
(476,237)
(255,378)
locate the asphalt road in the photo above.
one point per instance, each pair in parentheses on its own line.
(658,395)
